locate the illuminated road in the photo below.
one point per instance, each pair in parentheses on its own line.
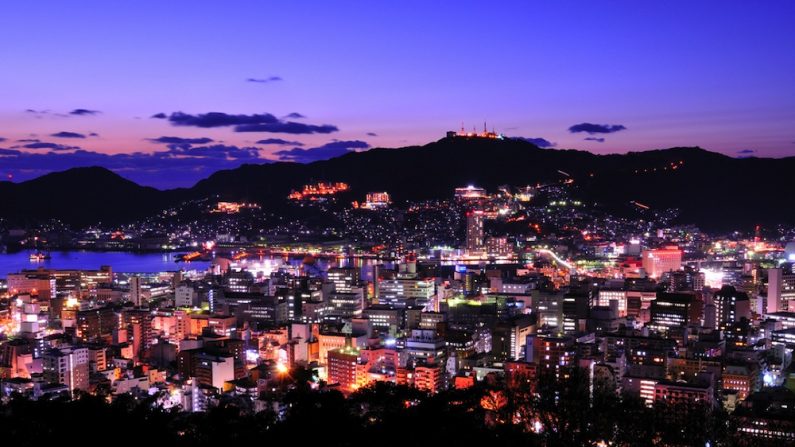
(556,258)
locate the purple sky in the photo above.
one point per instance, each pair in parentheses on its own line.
(308,80)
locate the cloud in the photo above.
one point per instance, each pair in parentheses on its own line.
(83,112)
(46,145)
(215,151)
(540,142)
(295,116)
(28,140)
(2,139)
(264,80)
(372,134)
(93,134)
(592,129)
(290,127)
(65,134)
(179,140)
(598,140)
(324,152)
(159,116)
(746,151)
(219,119)
(262,122)
(280,142)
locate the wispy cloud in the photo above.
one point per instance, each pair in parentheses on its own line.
(264,80)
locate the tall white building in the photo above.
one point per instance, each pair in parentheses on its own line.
(67,366)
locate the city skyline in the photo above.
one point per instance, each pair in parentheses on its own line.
(167,90)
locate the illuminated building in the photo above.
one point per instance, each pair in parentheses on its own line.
(214,370)
(344,278)
(730,307)
(429,377)
(222,325)
(484,135)
(67,366)
(186,296)
(498,246)
(785,319)
(344,305)
(510,337)
(780,290)
(767,417)
(605,296)
(40,283)
(97,358)
(329,341)
(549,309)
(474,234)
(470,193)
(342,368)
(398,291)
(139,324)
(678,394)
(318,191)
(553,353)
(384,317)
(642,387)
(774,284)
(743,378)
(670,310)
(16,358)
(574,312)
(377,200)
(96,324)
(661,260)
(233,207)
(424,344)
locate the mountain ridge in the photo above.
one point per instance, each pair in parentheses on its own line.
(713,190)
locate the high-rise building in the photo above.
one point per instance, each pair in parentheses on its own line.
(474,236)
(671,310)
(730,307)
(96,324)
(344,278)
(774,284)
(342,368)
(662,260)
(136,293)
(398,291)
(67,366)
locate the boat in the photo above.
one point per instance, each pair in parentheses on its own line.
(39,256)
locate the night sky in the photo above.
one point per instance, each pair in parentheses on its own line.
(165,93)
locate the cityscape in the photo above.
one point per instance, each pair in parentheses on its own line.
(373,282)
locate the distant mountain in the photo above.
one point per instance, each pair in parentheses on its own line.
(713,191)
(80,196)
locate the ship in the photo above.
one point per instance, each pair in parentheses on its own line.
(39,256)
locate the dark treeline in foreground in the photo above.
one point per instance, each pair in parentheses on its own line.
(565,412)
